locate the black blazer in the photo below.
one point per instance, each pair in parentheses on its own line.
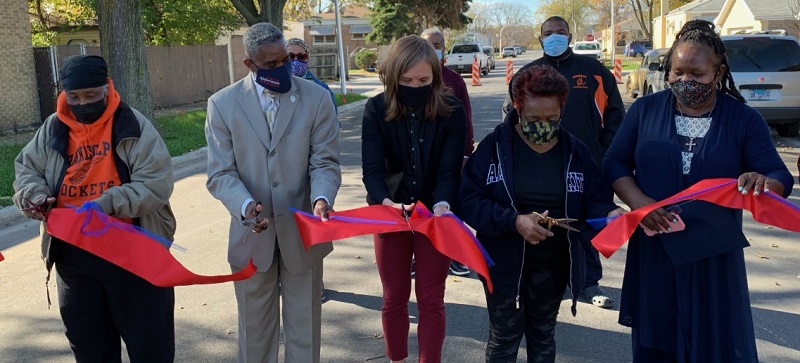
(386,144)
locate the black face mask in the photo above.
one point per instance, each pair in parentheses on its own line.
(414,97)
(90,112)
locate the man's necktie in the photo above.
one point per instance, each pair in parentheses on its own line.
(271,109)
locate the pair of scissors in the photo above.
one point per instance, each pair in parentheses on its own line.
(560,222)
(43,208)
(252,221)
(407,216)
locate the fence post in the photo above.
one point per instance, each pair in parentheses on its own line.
(54,64)
(230,62)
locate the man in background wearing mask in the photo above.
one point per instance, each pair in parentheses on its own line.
(97,149)
(273,143)
(456,84)
(298,53)
(593,113)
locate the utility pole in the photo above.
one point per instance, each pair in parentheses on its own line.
(340,45)
(613,30)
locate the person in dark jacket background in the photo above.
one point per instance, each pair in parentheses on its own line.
(412,151)
(298,54)
(527,170)
(593,113)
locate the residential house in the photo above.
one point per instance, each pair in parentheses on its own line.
(742,16)
(320,34)
(626,31)
(675,19)
(19,98)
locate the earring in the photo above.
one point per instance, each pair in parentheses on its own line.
(719,85)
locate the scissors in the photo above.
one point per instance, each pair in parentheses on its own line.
(43,208)
(560,222)
(407,216)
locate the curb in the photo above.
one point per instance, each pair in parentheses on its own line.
(11,215)
(350,106)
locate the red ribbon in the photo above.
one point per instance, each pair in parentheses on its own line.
(130,249)
(448,234)
(1,257)
(767,208)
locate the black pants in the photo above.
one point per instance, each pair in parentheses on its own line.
(101,303)
(542,289)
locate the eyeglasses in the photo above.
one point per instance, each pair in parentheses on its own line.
(299,56)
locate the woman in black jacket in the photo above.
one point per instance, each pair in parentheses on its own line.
(523,174)
(412,150)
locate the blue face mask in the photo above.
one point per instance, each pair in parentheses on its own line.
(555,44)
(299,68)
(278,79)
(439,54)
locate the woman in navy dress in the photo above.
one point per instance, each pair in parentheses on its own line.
(685,294)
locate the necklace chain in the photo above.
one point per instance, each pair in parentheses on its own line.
(691,144)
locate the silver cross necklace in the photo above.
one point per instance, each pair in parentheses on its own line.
(691,144)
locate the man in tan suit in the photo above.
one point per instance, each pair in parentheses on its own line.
(273,143)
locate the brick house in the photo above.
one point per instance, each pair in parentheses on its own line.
(320,31)
(19,100)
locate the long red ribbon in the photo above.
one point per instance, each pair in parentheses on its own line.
(448,234)
(132,250)
(767,208)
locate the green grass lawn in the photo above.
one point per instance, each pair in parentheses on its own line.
(7,155)
(351,97)
(182,132)
(628,64)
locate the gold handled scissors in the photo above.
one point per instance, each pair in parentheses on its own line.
(560,222)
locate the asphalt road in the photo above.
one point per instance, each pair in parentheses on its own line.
(205,316)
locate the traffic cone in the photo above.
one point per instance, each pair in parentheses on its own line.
(476,72)
(509,71)
(618,70)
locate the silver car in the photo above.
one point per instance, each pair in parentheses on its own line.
(766,70)
(640,80)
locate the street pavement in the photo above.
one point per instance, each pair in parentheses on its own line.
(205,316)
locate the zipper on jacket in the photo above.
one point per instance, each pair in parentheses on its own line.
(566,215)
(513,205)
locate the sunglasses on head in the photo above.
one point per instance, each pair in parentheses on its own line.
(299,56)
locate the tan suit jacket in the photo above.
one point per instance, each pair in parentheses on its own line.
(290,168)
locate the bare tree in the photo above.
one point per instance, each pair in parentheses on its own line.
(122,45)
(794,13)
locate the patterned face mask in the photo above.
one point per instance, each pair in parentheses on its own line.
(540,132)
(692,93)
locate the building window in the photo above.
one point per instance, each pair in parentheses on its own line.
(324,39)
(358,36)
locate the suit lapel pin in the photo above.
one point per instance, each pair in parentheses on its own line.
(293,98)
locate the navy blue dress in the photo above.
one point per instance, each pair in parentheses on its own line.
(685,294)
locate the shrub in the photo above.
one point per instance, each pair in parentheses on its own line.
(366,58)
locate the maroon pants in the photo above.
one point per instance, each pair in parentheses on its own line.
(393,252)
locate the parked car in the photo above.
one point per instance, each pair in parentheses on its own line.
(766,70)
(489,51)
(461,56)
(591,49)
(509,52)
(639,80)
(637,48)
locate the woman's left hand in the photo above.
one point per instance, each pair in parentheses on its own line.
(441,210)
(758,183)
